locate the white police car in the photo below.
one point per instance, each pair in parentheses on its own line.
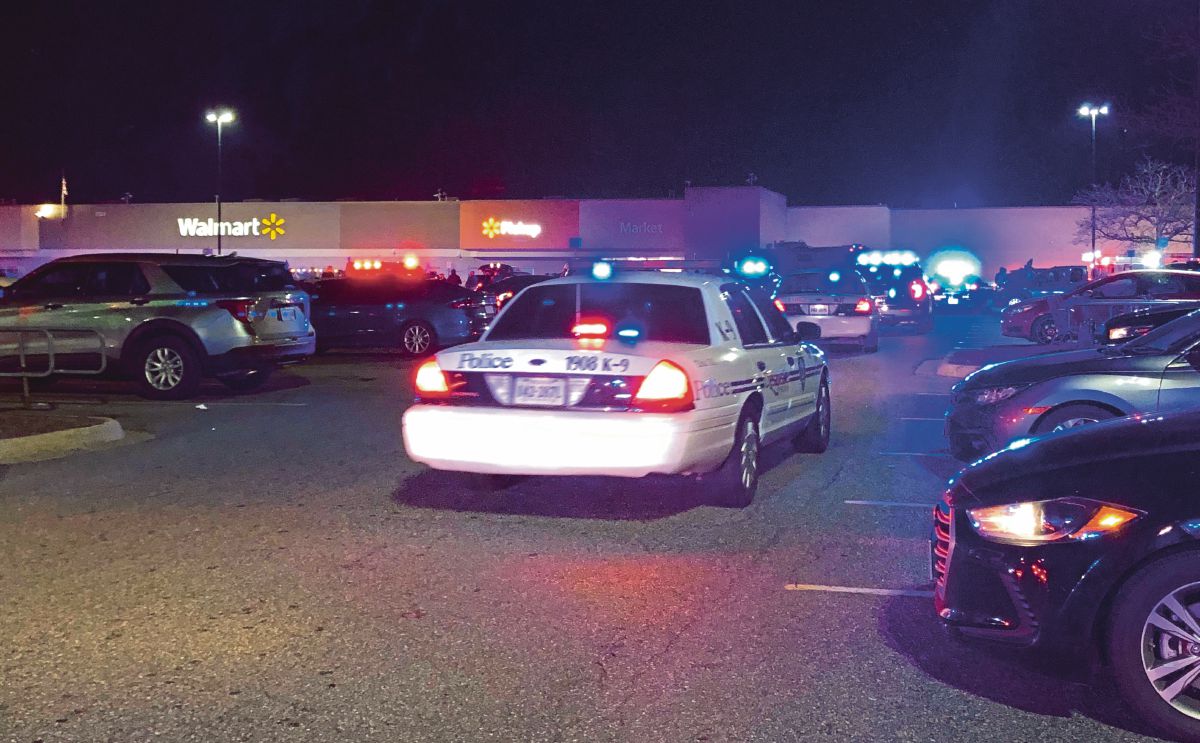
(626,375)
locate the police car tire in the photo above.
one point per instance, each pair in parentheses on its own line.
(1137,597)
(871,342)
(812,439)
(728,489)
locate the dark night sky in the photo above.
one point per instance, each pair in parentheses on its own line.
(921,103)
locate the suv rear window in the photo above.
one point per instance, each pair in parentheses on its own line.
(239,278)
(882,278)
(660,312)
(824,282)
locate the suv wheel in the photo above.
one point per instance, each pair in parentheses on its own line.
(417,338)
(1154,644)
(167,368)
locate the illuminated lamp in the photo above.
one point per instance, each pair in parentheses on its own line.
(602,271)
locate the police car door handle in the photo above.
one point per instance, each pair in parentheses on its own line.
(762,366)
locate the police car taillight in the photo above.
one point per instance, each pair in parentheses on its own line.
(665,388)
(590,329)
(863,306)
(431,380)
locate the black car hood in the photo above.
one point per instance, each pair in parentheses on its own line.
(1063,363)
(1123,455)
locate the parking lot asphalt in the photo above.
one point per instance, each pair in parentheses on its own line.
(270,566)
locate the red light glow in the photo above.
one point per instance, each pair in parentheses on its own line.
(779,305)
(594,328)
(862,307)
(430,379)
(917,289)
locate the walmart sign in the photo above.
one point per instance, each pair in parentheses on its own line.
(271,227)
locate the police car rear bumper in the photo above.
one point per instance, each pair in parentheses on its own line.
(836,326)
(568,442)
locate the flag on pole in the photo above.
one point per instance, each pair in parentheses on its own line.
(64,191)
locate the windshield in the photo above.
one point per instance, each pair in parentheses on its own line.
(831,282)
(656,312)
(1173,337)
(882,278)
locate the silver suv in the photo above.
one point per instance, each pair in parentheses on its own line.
(165,320)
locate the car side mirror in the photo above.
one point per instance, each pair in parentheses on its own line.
(807,331)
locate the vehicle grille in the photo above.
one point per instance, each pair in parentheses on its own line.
(942,519)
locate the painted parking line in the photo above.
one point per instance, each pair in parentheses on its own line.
(913,454)
(938,420)
(911,593)
(888,503)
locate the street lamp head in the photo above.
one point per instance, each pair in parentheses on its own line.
(1084,110)
(1104,110)
(219,117)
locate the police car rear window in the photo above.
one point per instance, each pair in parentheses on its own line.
(659,312)
(239,278)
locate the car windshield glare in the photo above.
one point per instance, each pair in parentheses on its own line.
(1172,337)
(648,312)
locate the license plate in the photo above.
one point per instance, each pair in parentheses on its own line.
(286,313)
(546,391)
(951,300)
(489,309)
(818,309)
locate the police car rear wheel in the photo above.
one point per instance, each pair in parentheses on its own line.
(737,480)
(815,436)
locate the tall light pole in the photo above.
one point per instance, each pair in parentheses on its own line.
(220,118)
(1087,110)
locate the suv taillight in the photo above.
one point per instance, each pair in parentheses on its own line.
(665,389)
(242,309)
(917,290)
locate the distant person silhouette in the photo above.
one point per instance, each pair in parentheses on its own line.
(454,278)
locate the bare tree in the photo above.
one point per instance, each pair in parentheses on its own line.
(1150,206)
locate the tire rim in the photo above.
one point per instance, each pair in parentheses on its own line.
(823,420)
(1047,331)
(749,468)
(1171,649)
(416,339)
(164,368)
(1074,423)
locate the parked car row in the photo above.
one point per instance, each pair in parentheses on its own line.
(1075,529)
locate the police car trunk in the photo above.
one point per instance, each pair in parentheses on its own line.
(575,377)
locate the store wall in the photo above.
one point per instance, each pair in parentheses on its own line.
(822,226)
(637,226)
(385,228)
(722,221)
(998,237)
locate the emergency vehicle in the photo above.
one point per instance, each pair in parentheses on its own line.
(625,374)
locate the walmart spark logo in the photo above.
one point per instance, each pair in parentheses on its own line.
(272,226)
(493,227)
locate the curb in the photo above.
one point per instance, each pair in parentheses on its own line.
(958,371)
(56,443)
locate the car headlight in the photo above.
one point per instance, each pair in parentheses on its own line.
(1038,522)
(1014,301)
(993,395)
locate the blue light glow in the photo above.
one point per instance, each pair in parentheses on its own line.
(628,333)
(834,277)
(602,271)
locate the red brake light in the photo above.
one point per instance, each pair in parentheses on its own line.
(242,309)
(590,328)
(430,379)
(917,289)
(863,306)
(665,388)
(780,306)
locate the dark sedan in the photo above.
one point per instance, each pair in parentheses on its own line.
(1139,322)
(1157,372)
(506,289)
(417,317)
(1086,541)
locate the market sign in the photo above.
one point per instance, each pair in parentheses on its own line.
(270,227)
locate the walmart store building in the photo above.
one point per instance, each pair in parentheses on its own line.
(534,235)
